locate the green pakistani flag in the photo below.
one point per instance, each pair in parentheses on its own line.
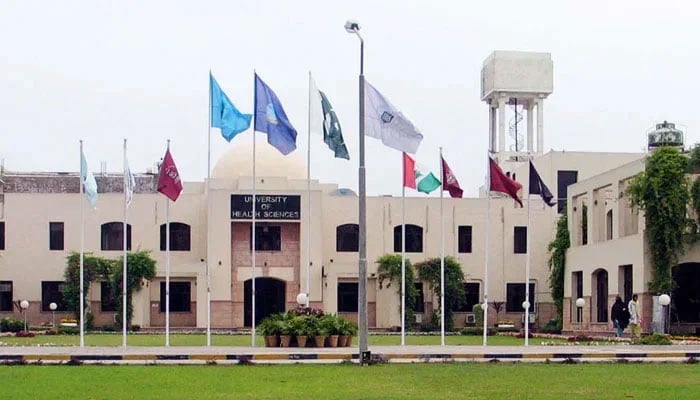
(323,119)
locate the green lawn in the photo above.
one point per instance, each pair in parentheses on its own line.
(394,381)
(115,339)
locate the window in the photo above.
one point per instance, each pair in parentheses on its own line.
(626,280)
(267,238)
(520,239)
(471,297)
(52,292)
(113,238)
(55,235)
(515,295)
(2,235)
(179,237)
(564,179)
(347,297)
(5,295)
(577,291)
(464,239)
(609,225)
(414,239)
(179,297)
(419,307)
(347,237)
(108,299)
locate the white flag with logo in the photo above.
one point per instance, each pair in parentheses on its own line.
(383,121)
(129,183)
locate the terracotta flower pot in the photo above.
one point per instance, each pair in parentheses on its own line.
(343,340)
(271,341)
(333,340)
(301,341)
(320,340)
(285,340)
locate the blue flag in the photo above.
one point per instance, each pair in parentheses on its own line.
(271,119)
(224,114)
(87,179)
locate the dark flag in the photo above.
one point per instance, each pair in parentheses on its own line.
(449,181)
(538,187)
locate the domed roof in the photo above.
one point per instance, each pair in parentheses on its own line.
(238,160)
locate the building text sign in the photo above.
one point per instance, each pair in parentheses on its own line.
(267,206)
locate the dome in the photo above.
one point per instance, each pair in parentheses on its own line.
(269,162)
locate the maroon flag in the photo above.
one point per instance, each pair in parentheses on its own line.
(449,181)
(502,183)
(169,182)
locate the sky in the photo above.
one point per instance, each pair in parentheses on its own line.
(105,71)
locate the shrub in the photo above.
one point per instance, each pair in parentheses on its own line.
(553,326)
(24,334)
(654,339)
(476,331)
(580,338)
(51,332)
(511,329)
(68,330)
(135,328)
(11,325)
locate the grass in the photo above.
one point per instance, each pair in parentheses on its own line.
(198,339)
(393,381)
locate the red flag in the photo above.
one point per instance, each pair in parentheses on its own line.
(449,181)
(409,171)
(501,183)
(169,182)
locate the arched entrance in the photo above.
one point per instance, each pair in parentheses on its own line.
(269,298)
(600,295)
(686,296)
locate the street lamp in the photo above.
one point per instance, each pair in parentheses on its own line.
(354,28)
(302,298)
(664,301)
(53,308)
(580,302)
(24,304)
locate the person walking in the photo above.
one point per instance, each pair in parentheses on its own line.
(620,316)
(635,317)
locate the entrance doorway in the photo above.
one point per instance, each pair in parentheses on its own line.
(269,298)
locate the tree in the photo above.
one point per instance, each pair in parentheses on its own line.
(95,269)
(662,192)
(557,262)
(429,271)
(140,266)
(390,270)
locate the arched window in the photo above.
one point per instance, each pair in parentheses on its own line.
(112,236)
(414,239)
(179,237)
(347,237)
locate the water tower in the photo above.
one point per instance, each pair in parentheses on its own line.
(665,134)
(514,83)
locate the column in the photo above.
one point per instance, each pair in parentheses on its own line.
(540,125)
(492,128)
(502,125)
(530,133)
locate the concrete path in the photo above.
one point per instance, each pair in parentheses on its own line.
(223,355)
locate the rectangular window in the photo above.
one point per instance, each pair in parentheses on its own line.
(515,295)
(112,236)
(5,295)
(626,280)
(55,235)
(520,239)
(52,292)
(471,297)
(464,239)
(179,297)
(577,293)
(564,179)
(2,235)
(420,299)
(347,296)
(108,299)
(267,238)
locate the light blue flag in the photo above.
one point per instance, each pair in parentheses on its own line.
(271,119)
(224,114)
(87,179)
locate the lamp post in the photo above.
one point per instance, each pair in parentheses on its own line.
(24,304)
(580,302)
(664,301)
(526,322)
(53,307)
(354,27)
(302,298)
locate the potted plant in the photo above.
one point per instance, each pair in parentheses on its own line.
(288,328)
(307,328)
(270,328)
(348,329)
(329,324)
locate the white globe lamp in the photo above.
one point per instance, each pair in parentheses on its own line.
(664,299)
(302,298)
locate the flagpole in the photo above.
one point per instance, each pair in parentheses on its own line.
(252,317)
(442,256)
(82,246)
(485,306)
(124,237)
(403,252)
(308,197)
(208,278)
(527,272)
(167,268)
